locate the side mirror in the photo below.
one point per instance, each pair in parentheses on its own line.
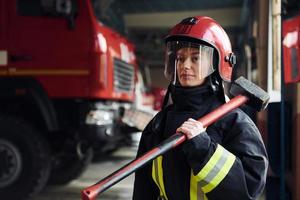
(64,7)
(68,10)
(61,8)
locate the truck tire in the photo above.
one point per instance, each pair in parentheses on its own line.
(25,160)
(69,167)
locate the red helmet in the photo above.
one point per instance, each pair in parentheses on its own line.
(205,30)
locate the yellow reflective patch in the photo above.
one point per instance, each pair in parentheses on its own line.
(193,187)
(220,175)
(211,163)
(209,176)
(157,175)
(196,192)
(212,173)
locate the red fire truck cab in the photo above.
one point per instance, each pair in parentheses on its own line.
(291,46)
(65,80)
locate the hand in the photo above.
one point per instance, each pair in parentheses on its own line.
(191,128)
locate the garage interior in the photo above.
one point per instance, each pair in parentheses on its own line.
(258,30)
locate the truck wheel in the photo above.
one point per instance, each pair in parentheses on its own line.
(24,155)
(68,167)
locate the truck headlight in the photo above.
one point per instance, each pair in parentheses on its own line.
(99,117)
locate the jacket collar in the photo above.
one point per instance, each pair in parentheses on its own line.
(191,98)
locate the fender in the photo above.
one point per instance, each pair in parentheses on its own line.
(30,90)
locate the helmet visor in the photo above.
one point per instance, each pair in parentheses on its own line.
(188,63)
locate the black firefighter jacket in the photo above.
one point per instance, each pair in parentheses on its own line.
(228,161)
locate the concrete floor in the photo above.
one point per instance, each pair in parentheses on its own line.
(95,172)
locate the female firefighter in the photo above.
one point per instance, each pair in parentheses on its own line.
(227,160)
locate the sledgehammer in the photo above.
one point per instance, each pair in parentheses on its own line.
(244,92)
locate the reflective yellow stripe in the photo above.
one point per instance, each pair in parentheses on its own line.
(47,72)
(220,175)
(206,180)
(160,176)
(193,187)
(157,175)
(211,163)
(3,72)
(215,169)
(196,192)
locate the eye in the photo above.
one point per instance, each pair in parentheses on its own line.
(195,58)
(180,59)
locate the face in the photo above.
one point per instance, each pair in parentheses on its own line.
(188,66)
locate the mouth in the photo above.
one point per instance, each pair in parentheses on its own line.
(186,76)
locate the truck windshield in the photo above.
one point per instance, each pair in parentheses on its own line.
(50,8)
(99,8)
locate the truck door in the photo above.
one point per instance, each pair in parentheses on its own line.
(47,37)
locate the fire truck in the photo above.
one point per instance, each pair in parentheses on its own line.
(65,81)
(291,52)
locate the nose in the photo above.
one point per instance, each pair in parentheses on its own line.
(187,64)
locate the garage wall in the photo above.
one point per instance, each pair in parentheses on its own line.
(157,77)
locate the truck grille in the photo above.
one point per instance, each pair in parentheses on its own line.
(123,76)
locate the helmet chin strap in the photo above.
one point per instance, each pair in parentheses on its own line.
(214,83)
(217,86)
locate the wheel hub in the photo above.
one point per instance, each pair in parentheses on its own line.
(10,163)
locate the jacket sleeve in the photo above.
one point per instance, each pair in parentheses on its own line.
(235,169)
(144,186)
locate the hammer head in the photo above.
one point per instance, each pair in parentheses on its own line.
(258,98)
